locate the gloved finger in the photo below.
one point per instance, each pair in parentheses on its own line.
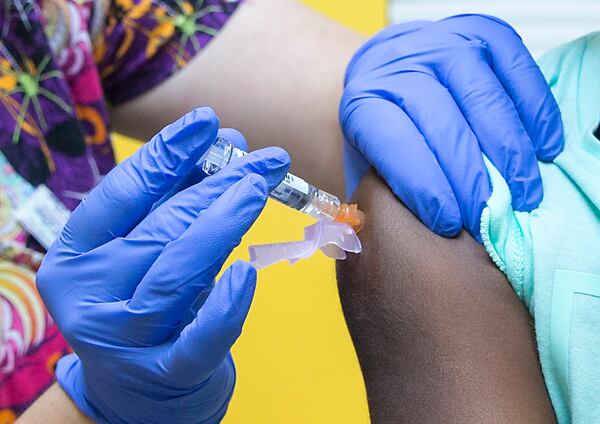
(196,174)
(127,193)
(189,264)
(356,167)
(521,78)
(172,218)
(234,137)
(359,65)
(492,116)
(385,135)
(167,223)
(451,140)
(68,376)
(216,327)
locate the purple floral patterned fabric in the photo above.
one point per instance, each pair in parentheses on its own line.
(146,41)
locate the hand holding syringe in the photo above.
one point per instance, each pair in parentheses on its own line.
(293,191)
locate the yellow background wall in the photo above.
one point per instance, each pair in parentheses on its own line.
(295,359)
(366,16)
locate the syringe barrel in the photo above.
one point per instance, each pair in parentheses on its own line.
(293,191)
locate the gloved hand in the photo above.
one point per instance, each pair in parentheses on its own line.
(423,101)
(131,286)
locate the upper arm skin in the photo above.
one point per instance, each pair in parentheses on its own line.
(439,333)
(54,406)
(275,72)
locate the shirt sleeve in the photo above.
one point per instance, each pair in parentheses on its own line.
(146,41)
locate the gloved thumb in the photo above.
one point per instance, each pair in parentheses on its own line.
(69,377)
(203,345)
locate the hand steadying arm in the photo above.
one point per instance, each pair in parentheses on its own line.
(420,117)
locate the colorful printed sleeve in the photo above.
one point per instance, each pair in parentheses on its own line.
(146,41)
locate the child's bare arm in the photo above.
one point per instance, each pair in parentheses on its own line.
(440,335)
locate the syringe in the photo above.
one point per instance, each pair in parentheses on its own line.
(293,191)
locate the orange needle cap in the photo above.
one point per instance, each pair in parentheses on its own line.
(351,215)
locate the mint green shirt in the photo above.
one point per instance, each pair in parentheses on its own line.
(551,255)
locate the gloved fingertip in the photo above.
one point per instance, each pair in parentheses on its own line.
(255,185)
(281,155)
(69,377)
(65,365)
(552,147)
(280,168)
(205,115)
(440,214)
(547,127)
(230,301)
(472,223)
(527,192)
(476,234)
(199,119)
(529,202)
(242,268)
(446,226)
(437,210)
(242,281)
(234,137)
(178,144)
(273,164)
(276,156)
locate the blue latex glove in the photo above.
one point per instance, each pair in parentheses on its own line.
(424,100)
(132,290)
